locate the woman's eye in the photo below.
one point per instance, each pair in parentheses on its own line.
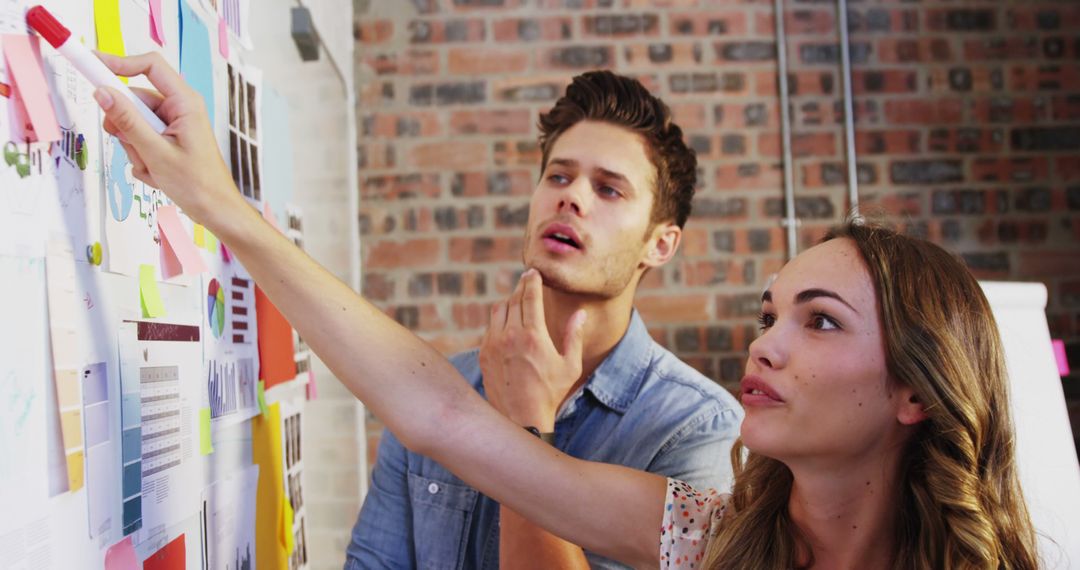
(558,179)
(821,321)
(766,320)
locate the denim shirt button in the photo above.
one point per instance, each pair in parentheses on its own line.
(433,488)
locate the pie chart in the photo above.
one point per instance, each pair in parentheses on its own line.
(215,307)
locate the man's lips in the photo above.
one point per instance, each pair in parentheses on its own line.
(756,392)
(561,238)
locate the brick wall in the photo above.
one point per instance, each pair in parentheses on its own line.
(968,132)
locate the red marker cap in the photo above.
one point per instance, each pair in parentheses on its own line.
(45,24)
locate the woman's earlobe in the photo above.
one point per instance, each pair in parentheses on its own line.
(911,411)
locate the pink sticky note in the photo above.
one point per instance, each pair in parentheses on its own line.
(223,38)
(121,556)
(268,214)
(1059,355)
(312,390)
(225,255)
(23,57)
(179,241)
(170,263)
(157,25)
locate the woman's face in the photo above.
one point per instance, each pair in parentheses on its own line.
(816,384)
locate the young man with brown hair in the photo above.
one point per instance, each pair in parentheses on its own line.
(615,191)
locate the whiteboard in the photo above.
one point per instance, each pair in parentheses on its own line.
(1045,452)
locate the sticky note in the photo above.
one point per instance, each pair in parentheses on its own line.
(223,38)
(170,263)
(75,471)
(312,390)
(196,65)
(199,235)
(206,446)
(157,25)
(121,556)
(107,27)
(262,397)
(211,242)
(287,532)
(178,242)
(172,556)
(148,292)
(23,56)
(225,255)
(1059,356)
(276,357)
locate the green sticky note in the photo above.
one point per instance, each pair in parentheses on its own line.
(262,397)
(211,242)
(149,295)
(206,446)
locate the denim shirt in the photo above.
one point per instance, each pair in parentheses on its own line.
(642,407)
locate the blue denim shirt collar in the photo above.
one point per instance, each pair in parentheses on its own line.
(616,382)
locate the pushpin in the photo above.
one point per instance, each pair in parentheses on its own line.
(93,253)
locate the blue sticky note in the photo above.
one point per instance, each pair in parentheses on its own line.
(196,65)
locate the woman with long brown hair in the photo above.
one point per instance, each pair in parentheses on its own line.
(877,424)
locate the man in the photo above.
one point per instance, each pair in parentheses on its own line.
(615,191)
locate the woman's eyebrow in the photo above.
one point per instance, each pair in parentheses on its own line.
(810,294)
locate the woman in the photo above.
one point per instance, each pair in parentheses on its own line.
(877,414)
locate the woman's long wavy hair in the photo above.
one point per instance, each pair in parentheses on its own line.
(960,503)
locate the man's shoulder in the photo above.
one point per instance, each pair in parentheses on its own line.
(676,381)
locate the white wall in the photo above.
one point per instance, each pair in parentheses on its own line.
(324,164)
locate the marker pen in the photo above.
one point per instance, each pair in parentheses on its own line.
(90,66)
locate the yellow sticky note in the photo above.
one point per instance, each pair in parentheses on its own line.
(107,27)
(262,397)
(211,242)
(75,471)
(200,235)
(206,446)
(148,292)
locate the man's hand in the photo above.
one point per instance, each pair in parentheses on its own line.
(525,376)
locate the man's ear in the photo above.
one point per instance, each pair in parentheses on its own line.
(663,243)
(910,410)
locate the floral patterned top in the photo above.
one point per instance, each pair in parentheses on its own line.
(691,518)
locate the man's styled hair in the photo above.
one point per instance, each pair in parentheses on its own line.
(623,101)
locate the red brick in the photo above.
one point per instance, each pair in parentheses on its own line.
(1067,168)
(431,31)
(689,116)
(498,183)
(924,111)
(411,253)
(377,155)
(440,155)
(983,80)
(802,144)
(372,31)
(996,48)
(673,308)
(749,176)
(620,25)
(910,50)
(471,315)
(378,286)
(1026,18)
(674,54)
(399,186)
(1027,77)
(502,121)
(721,23)
(1008,109)
(575,57)
(814,22)
(799,83)
(886,81)
(695,242)
(421,318)
(1010,170)
(757,115)
(988,141)
(485,249)
(517,153)
(533,29)
(1065,108)
(530,89)
(405,62)
(402,124)
(888,142)
(481,61)
(1048,263)
(892,204)
(486,5)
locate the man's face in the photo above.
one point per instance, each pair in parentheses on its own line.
(589,216)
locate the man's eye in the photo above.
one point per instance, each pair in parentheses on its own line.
(609,192)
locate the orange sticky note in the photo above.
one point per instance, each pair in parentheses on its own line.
(23,56)
(157,26)
(276,360)
(121,556)
(178,241)
(172,556)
